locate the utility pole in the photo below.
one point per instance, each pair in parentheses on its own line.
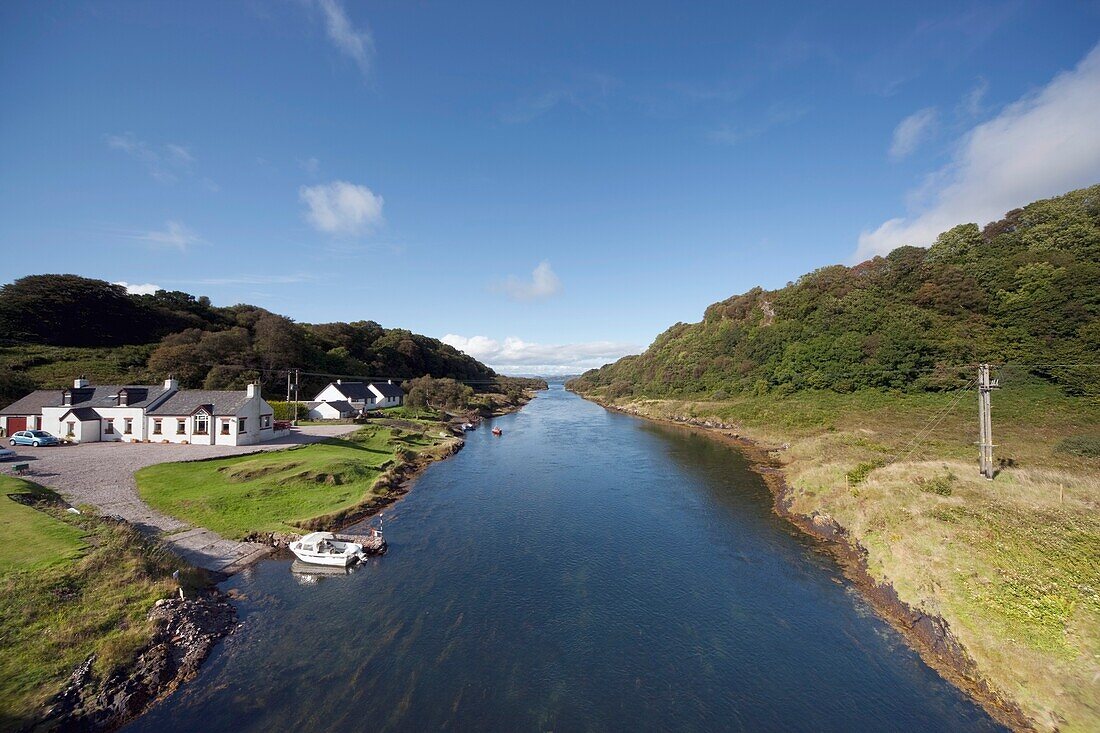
(297,376)
(985,422)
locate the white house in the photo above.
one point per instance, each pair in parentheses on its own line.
(212,417)
(362,396)
(154,413)
(335,410)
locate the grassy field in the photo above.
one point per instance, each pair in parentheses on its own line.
(276,492)
(1013,564)
(71,585)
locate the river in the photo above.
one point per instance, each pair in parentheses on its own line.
(586,571)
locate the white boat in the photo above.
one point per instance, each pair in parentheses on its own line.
(322,548)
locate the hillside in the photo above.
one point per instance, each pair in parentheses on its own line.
(1025,289)
(54,327)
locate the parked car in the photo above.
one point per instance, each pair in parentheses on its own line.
(33,437)
(7,455)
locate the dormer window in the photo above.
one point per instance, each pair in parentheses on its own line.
(66,397)
(123,398)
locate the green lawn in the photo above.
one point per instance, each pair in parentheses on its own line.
(70,585)
(33,539)
(274,492)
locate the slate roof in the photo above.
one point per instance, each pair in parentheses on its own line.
(343,406)
(353,390)
(83,414)
(106,395)
(102,395)
(187,401)
(33,403)
(387,389)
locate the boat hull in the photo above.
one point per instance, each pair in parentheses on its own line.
(315,558)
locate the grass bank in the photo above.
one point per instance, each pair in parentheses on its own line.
(291,490)
(1011,565)
(71,585)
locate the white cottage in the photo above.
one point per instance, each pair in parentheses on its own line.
(212,417)
(133,413)
(361,395)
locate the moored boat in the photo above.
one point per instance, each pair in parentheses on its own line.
(498,432)
(322,548)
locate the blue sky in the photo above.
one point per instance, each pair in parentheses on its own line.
(546,185)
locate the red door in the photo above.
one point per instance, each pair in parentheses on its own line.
(15,424)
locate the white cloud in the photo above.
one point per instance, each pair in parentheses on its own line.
(584,91)
(174,235)
(143,289)
(974,101)
(1041,145)
(543,284)
(516,356)
(912,132)
(349,40)
(165,163)
(341,208)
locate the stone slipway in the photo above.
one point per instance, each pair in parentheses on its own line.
(102,475)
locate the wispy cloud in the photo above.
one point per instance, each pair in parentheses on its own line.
(174,236)
(310,165)
(341,208)
(778,115)
(543,284)
(142,289)
(516,356)
(973,102)
(1041,145)
(355,43)
(167,162)
(584,92)
(164,163)
(912,132)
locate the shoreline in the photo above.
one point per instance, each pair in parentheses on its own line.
(929,635)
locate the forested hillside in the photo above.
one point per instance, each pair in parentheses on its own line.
(54,327)
(1025,289)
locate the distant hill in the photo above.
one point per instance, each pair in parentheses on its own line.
(55,327)
(1025,289)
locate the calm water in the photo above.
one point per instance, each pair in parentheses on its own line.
(587,571)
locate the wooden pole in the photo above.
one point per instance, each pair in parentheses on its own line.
(985,423)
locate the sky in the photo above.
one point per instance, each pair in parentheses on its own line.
(546,186)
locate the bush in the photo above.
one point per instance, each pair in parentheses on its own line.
(1080,445)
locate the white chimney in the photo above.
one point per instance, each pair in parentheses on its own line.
(171,384)
(389,381)
(339,381)
(253,391)
(80,382)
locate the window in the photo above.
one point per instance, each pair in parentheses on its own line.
(181,427)
(202,425)
(72,429)
(241,425)
(109,427)
(156,427)
(128,426)
(265,422)
(225,427)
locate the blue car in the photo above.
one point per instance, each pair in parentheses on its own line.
(33,437)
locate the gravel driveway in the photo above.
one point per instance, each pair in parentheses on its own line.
(102,475)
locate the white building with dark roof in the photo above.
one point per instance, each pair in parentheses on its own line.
(361,396)
(144,413)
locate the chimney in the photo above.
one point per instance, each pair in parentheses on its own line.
(80,382)
(171,384)
(339,381)
(253,390)
(389,381)
(123,398)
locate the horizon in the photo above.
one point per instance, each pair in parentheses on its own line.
(524,184)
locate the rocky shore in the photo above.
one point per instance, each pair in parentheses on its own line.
(186,631)
(929,635)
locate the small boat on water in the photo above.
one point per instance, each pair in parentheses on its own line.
(498,432)
(322,548)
